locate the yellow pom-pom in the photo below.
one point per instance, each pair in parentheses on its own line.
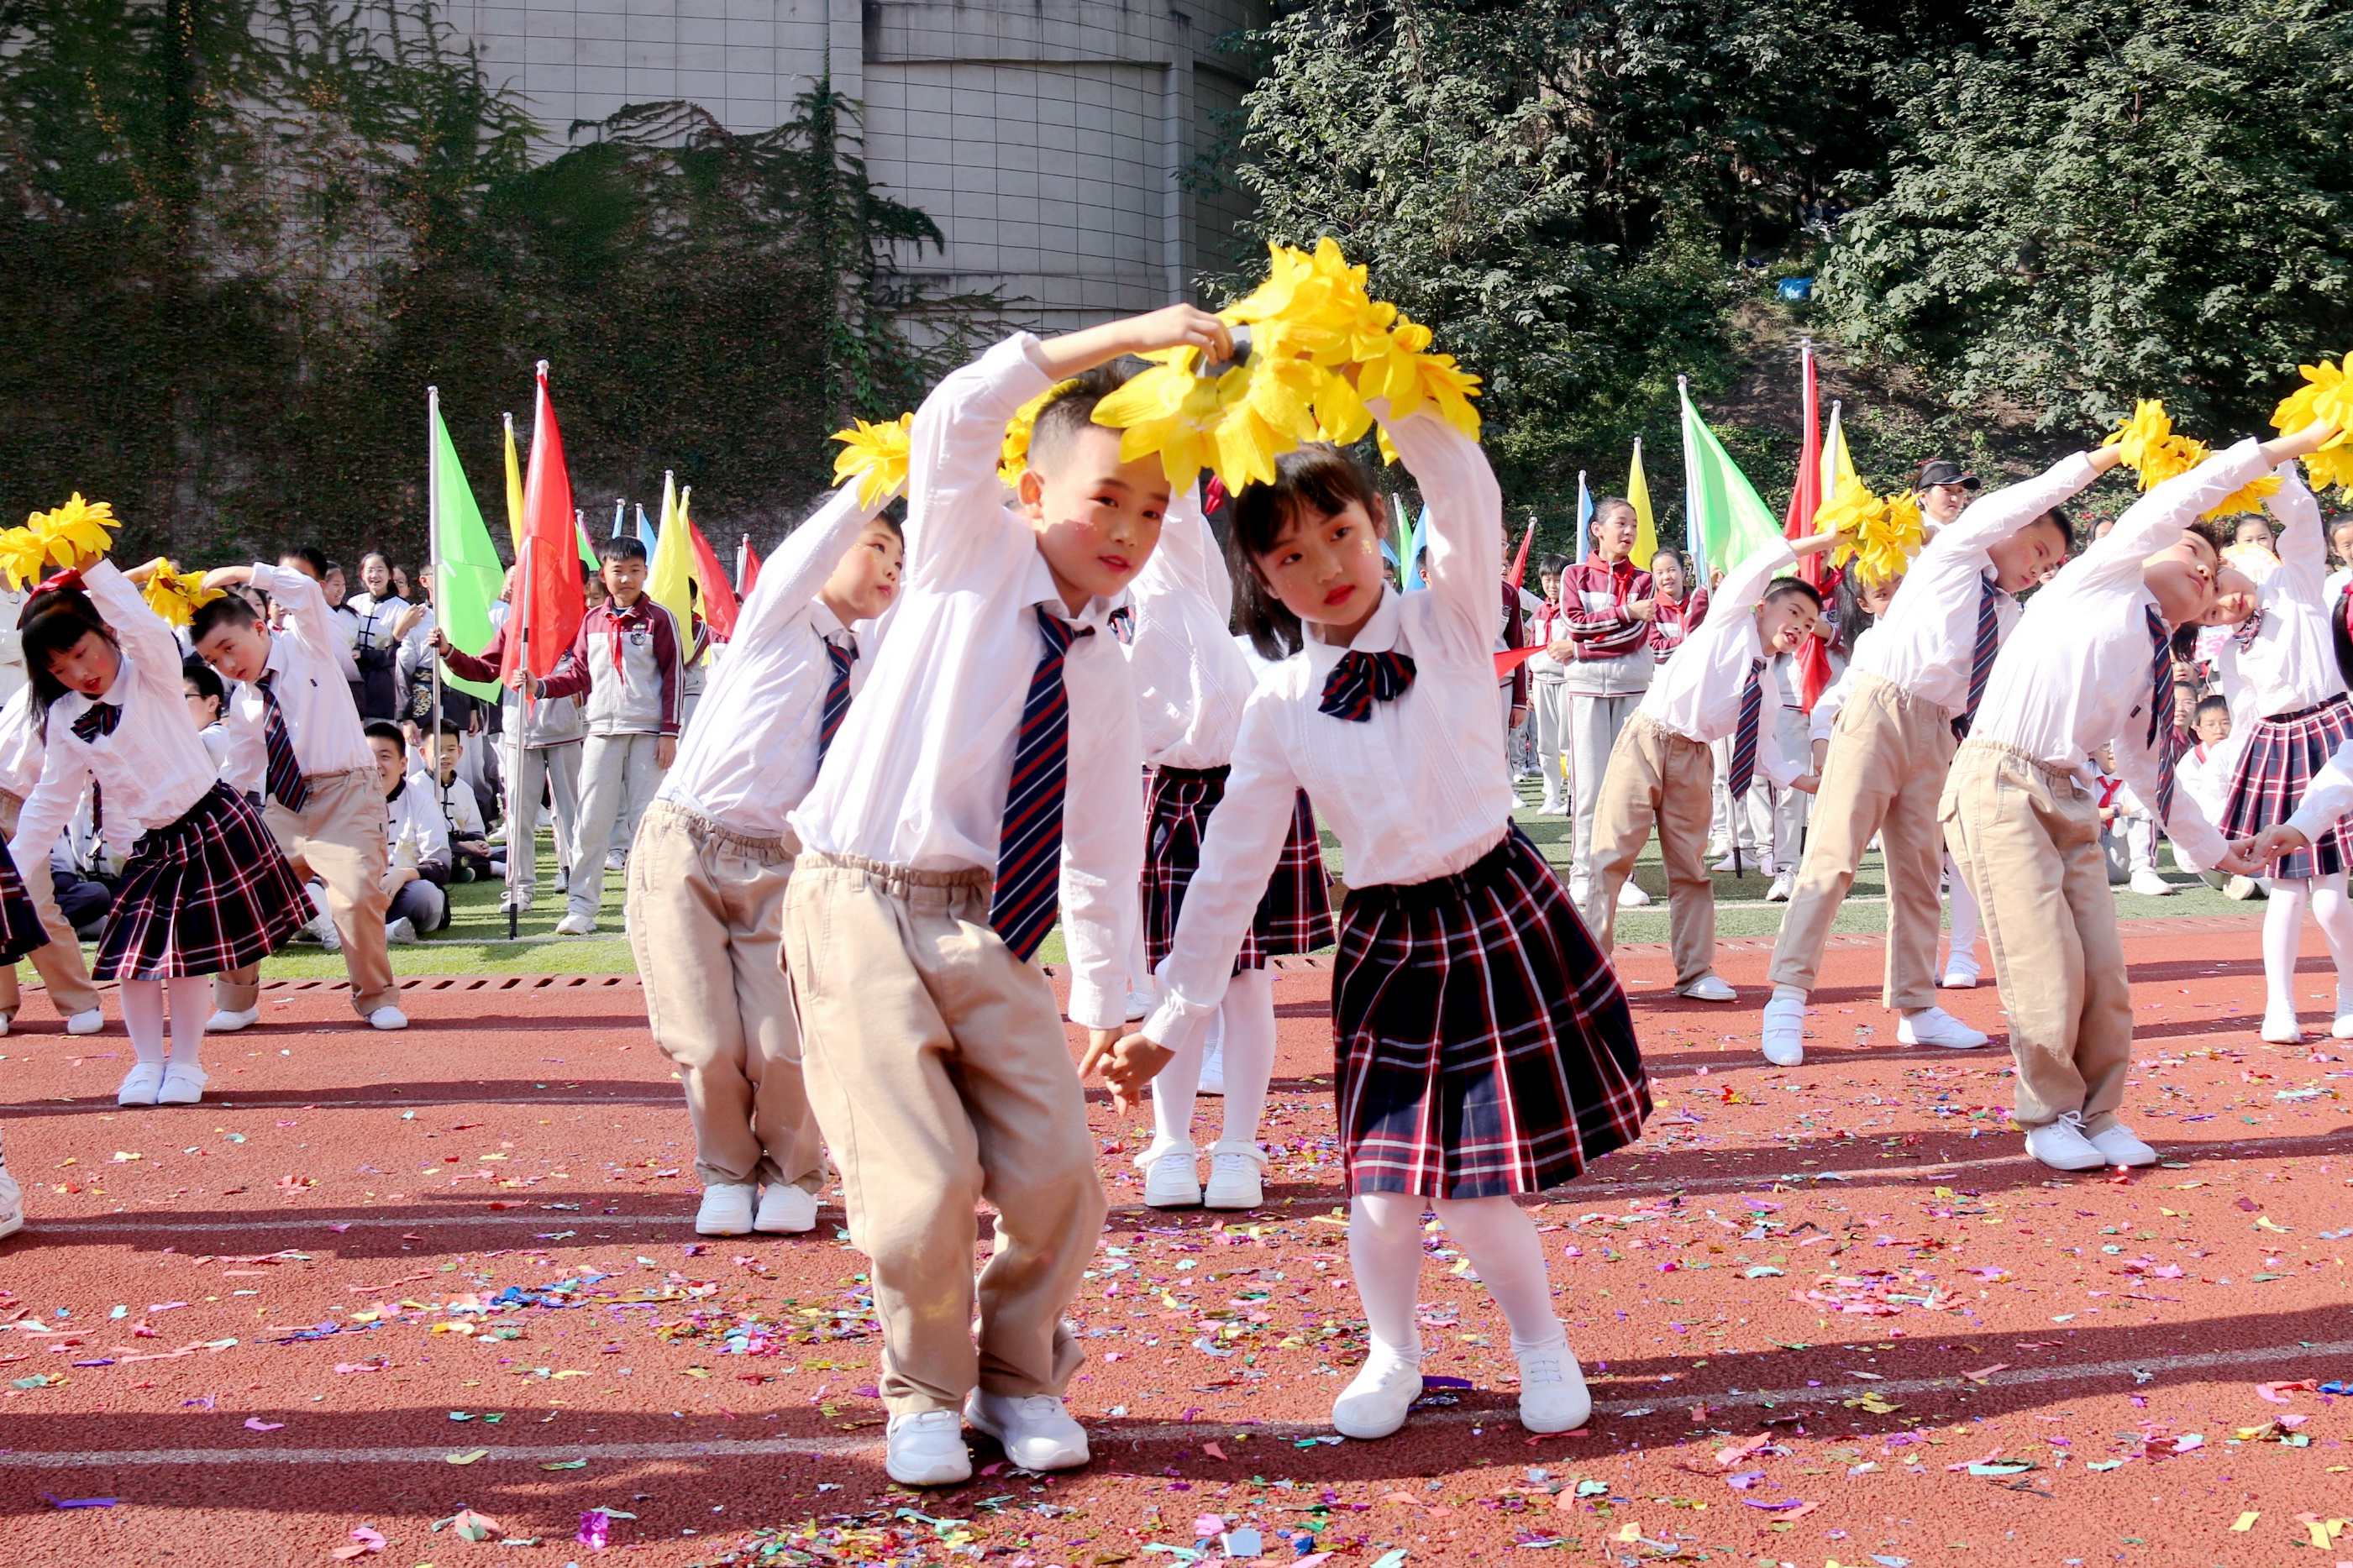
(1881,536)
(176,595)
(2324,398)
(77,530)
(877,455)
(24,556)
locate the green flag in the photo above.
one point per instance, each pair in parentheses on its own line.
(1725,518)
(467,573)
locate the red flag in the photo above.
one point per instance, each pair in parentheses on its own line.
(550,601)
(717,599)
(1520,562)
(1805,501)
(747,569)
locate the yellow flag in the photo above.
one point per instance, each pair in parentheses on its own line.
(673,567)
(514,490)
(1637,492)
(1838,463)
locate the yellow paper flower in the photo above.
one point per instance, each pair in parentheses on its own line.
(2325,397)
(79,528)
(878,454)
(1013,457)
(1881,534)
(175,594)
(1170,409)
(24,556)
(2156,453)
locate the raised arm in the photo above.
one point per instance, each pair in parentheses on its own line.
(155,651)
(2302,547)
(1988,522)
(791,579)
(305,603)
(1464,560)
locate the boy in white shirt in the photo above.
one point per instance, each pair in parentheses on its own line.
(469,835)
(418,841)
(1660,771)
(933,836)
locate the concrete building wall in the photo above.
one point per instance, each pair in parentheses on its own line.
(1045,137)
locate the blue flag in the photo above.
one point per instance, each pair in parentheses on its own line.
(1584,518)
(1414,547)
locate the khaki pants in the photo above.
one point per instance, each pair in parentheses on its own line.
(1657,776)
(707,925)
(340,835)
(59,965)
(2028,842)
(941,1075)
(1886,771)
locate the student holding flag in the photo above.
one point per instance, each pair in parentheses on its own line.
(1604,650)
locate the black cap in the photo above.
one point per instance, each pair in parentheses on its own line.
(1945,471)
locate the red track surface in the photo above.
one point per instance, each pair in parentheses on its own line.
(522,1134)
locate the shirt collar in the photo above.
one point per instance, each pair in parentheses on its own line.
(1378,635)
(824,621)
(1038,588)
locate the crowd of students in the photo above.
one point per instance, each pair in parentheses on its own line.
(1087,698)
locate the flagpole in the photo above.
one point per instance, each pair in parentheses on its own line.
(743,554)
(620,514)
(518,617)
(433,561)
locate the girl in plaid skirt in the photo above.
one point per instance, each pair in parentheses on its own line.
(2290,713)
(206,887)
(1192,680)
(1485,1049)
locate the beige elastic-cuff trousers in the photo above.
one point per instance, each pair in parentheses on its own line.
(339,833)
(941,1077)
(2028,842)
(59,963)
(1657,777)
(707,925)
(1889,753)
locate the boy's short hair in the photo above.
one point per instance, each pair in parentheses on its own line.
(2058,518)
(450,727)
(1553,567)
(1792,588)
(386,730)
(625,547)
(313,559)
(228,610)
(203,678)
(1071,411)
(886,520)
(2218,538)
(2217,703)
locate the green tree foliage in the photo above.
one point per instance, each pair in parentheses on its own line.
(239,237)
(2114,199)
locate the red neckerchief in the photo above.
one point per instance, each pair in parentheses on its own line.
(621,619)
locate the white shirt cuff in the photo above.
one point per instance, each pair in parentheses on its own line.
(1092,1008)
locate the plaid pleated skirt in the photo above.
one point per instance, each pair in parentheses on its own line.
(2276,763)
(20,923)
(1294,915)
(1484,1045)
(209,892)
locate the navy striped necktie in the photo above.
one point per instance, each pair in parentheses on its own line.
(1029,847)
(836,693)
(1989,643)
(281,772)
(2164,735)
(1744,735)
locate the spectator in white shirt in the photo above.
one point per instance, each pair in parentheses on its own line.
(417,841)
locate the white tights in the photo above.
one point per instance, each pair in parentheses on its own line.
(1248,1016)
(1495,1234)
(142,1017)
(2284,933)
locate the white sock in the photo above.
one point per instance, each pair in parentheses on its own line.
(2283,934)
(1385,1250)
(1247,1014)
(1789,993)
(1501,1241)
(2333,913)
(1174,1090)
(192,1004)
(143,1017)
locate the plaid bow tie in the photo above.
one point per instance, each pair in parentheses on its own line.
(1361,680)
(97,719)
(1123,623)
(2245,633)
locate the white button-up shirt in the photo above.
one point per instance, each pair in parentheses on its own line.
(152,766)
(751,753)
(917,775)
(20,744)
(1930,631)
(1191,680)
(1696,694)
(416,832)
(321,718)
(1418,790)
(2292,662)
(2074,675)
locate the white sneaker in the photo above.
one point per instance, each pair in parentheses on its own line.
(926,1449)
(1960,975)
(1784,1034)
(388,1017)
(2062,1145)
(617,860)
(2243,888)
(91,1022)
(1172,1181)
(1037,1431)
(184,1084)
(1708,987)
(321,923)
(1631,897)
(1783,884)
(1140,1005)
(1548,807)
(2280,1027)
(2343,1028)
(785,1210)
(2117,1145)
(1553,1395)
(225,1022)
(140,1084)
(12,1205)
(1935,1026)
(400,932)
(1725,864)
(1374,1404)
(2150,885)
(726,1209)
(576,925)
(1235,1178)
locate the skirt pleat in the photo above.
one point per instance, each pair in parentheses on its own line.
(1294,915)
(2276,766)
(209,892)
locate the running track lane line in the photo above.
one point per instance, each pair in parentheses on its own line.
(1147,1431)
